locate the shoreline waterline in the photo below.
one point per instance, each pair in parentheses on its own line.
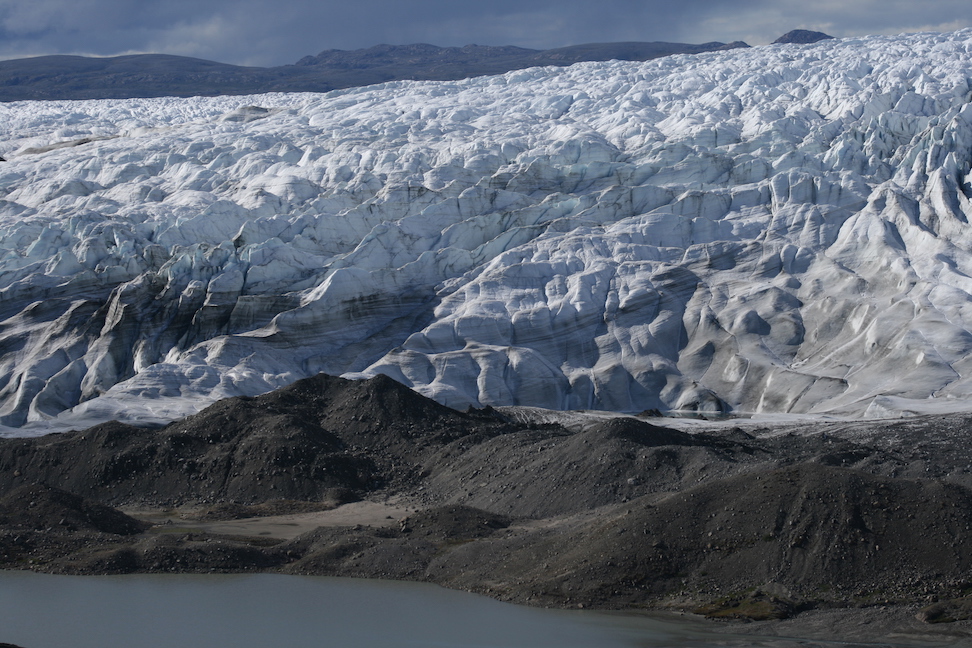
(244,610)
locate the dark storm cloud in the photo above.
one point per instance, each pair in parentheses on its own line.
(272,32)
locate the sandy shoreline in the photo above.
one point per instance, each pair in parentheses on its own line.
(283,527)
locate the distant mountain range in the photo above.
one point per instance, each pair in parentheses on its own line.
(157,75)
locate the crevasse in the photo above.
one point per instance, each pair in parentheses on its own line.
(783,229)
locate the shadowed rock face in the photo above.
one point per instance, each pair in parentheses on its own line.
(801,36)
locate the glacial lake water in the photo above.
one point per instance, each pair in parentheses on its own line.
(266,610)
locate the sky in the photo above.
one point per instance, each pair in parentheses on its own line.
(278,32)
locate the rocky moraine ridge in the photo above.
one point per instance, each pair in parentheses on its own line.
(526,505)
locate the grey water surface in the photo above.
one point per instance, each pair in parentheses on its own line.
(264,610)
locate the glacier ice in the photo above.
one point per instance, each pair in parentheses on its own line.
(781,229)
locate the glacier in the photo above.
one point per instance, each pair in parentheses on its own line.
(775,230)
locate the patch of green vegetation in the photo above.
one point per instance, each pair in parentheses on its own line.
(752,610)
(750,604)
(170,529)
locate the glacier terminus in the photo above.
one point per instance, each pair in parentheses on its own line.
(775,230)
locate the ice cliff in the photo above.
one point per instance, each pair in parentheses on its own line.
(780,229)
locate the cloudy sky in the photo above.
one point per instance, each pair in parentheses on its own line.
(276,32)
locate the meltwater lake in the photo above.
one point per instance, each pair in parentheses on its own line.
(263,610)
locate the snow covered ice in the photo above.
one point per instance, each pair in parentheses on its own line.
(782,229)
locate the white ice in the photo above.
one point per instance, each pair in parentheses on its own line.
(779,230)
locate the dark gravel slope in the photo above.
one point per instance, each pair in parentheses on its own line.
(297,443)
(616,512)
